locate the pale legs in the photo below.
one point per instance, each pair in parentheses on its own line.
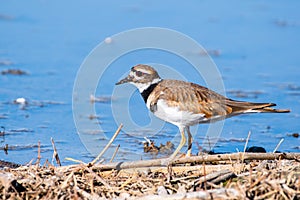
(190,141)
(182,143)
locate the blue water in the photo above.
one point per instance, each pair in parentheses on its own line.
(257,41)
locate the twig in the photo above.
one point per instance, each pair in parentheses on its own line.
(55,154)
(115,153)
(258,180)
(203,158)
(98,178)
(246,144)
(75,187)
(74,160)
(197,170)
(39,154)
(223,177)
(147,140)
(47,163)
(250,175)
(92,186)
(30,162)
(128,181)
(279,143)
(221,193)
(205,175)
(170,172)
(247,140)
(237,156)
(66,183)
(212,176)
(107,146)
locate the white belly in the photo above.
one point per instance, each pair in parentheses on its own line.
(175,116)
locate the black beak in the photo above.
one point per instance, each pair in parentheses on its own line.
(125,80)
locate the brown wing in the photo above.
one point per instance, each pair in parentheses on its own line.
(200,100)
(190,97)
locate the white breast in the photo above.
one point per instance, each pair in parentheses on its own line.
(175,116)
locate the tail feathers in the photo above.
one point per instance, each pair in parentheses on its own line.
(248,107)
(271,110)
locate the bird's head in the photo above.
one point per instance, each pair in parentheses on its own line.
(142,76)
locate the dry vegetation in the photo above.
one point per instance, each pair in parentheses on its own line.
(221,176)
(239,178)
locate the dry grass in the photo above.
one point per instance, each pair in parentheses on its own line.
(267,179)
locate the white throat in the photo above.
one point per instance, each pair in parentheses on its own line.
(144,86)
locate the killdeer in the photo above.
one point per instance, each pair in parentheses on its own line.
(185,104)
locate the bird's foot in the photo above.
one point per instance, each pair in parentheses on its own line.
(188,153)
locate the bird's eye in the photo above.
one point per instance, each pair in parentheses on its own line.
(139,73)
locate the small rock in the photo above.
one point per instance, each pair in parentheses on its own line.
(255,149)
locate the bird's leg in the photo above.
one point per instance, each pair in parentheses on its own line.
(190,140)
(181,144)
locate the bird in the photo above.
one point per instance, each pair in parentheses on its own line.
(185,104)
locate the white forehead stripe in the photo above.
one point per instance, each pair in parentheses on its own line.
(144,71)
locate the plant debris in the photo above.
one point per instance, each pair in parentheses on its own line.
(14,72)
(18,147)
(149,147)
(265,179)
(8,164)
(295,135)
(220,176)
(22,130)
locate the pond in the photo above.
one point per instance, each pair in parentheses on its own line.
(255,46)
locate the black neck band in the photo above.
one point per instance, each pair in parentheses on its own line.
(147,91)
